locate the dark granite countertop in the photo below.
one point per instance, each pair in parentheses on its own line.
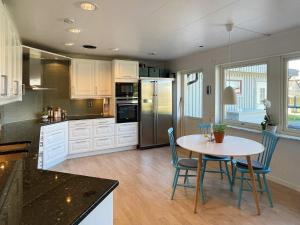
(73,117)
(29,196)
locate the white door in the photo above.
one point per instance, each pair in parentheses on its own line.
(103,78)
(82,78)
(191,103)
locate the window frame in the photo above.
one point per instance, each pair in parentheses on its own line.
(222,86)
(183,93)
(285,86)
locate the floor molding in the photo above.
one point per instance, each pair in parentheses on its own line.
(283,182)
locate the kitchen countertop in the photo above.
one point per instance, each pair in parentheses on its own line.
(30,196)
(73,117)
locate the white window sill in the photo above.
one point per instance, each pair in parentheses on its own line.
(285,136)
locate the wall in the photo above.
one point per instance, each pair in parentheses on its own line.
(269,49)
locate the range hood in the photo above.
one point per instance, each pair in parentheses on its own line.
(33,68)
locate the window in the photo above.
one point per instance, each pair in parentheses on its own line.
(250,85)
(193,87)
(293,94)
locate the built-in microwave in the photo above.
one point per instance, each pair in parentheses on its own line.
(126,90)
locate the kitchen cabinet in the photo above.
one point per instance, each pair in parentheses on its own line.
(53,144)
(10,59)
(90,79)
(103,81)
(126,134)
(125,71)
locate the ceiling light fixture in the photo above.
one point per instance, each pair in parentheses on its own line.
(69,44)
(115,49)
(152,53)
(88,6)
(89,46)
(229,95)
(201,46)
(74,30)
(69,20)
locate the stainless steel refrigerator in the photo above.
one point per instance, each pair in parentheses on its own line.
(155,97)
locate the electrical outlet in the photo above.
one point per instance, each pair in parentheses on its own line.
(90,103)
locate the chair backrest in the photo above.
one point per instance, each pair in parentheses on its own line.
(204,128)
(269,141)
(173,146)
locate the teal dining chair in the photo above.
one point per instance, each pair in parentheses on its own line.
(180,164)
(261,167)
(205,129)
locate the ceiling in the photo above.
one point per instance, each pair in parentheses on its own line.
(171,28)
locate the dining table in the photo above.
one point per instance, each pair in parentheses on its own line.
(231,146)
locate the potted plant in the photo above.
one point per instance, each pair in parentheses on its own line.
(44,114)
(219,132)
(267,124)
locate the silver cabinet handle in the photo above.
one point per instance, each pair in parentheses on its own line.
(4,84)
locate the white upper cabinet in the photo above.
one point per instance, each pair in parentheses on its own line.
(124,70)
(82,78)
(90,79)
(103,79)
(10,60)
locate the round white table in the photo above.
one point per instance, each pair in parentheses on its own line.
(231,146)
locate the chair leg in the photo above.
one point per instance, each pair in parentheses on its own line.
(175,182)
(241,190)
(233,175)
(186,179)
(202,181)
(259,183)
(221,170)
(228,176)
(267,190)
(231,165)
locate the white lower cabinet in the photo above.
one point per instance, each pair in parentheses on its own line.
(102,214)
(53,144)
(84,137)
(126,134)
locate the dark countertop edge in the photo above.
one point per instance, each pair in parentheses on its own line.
(93,206)
(15,142)
(72,118)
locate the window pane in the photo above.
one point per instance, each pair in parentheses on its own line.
(293,94)
(250,85)
(193,94)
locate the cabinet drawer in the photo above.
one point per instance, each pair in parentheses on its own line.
(80,123)
(80,146)
(80,132)
(103,121)
(126,140)
(54,137)
(104,130)
(51,153)
(103,143)
(126,128)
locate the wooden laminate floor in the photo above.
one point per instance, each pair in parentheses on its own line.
(143,196)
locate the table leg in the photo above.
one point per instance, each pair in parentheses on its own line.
(199,168)
(254,189)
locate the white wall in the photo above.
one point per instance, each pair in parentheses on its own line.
(287,156)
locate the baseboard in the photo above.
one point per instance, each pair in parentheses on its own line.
(99,152)
(283,182)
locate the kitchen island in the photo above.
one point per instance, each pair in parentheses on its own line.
(30,196)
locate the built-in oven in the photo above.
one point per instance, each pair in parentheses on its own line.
(127,110)
(126,90)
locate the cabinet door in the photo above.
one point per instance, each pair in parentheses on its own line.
(103,143)
(126,128)
(80,146)
(126,69)
(103,78)
(82,78)
(126,140)
(104,130)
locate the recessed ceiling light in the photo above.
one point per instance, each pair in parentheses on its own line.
(200,46)
(152,53)
(74,30)
(69,20)
(89,46)
(89,6)
(69,44)
(115,49)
